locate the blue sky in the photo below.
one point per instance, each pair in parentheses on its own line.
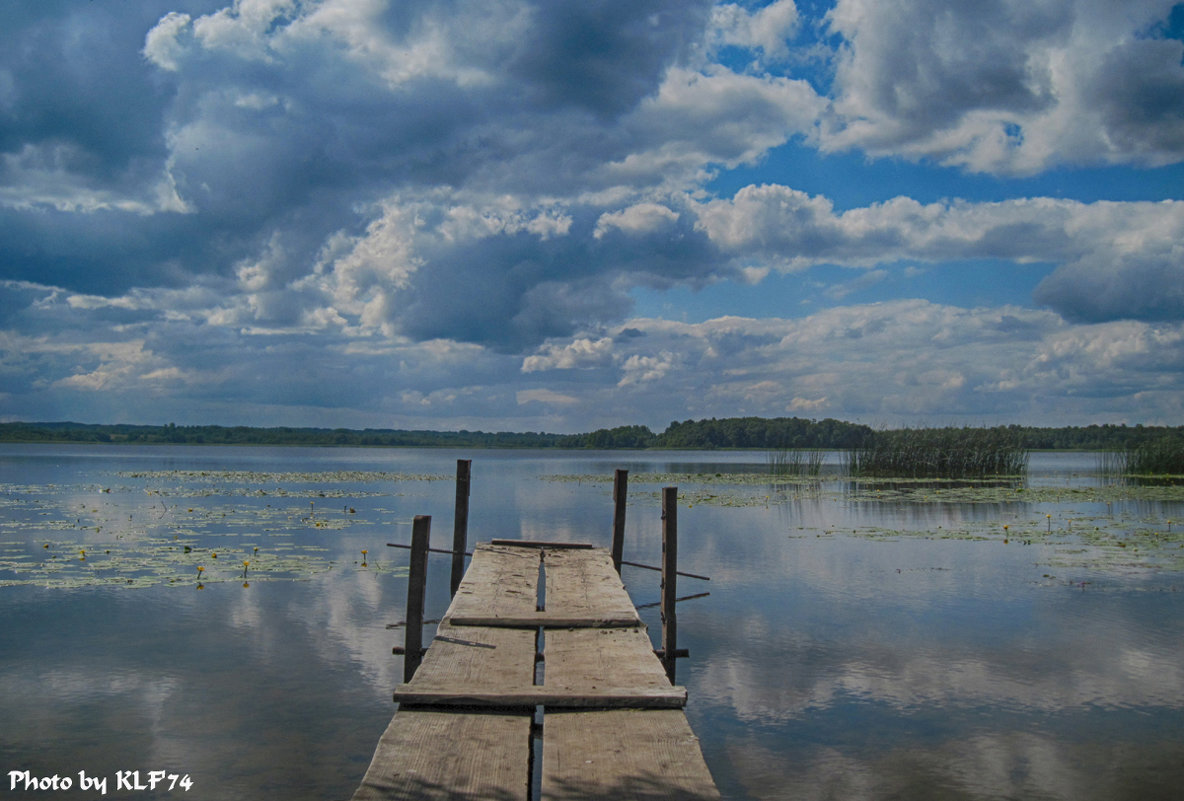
(513,215)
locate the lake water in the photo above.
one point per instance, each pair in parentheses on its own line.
(860,641)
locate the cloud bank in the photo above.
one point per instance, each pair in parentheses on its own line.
(439,214)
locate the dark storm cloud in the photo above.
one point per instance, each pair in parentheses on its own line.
(1144,286)
(513,291)
(83,151)
(1140,86)
(605,55)
(104,252)
(77,99)
(79,82)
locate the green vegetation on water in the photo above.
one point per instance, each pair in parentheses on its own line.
(1159,456)
(190,528)
(941,453)
(786,462)
(1096,529)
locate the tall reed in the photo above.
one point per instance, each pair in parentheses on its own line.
(791,462)
(1162,455)
(941,453)
(1112,465)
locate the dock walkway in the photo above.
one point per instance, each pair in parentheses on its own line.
(612,723)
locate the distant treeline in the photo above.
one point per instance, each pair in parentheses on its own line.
(734,432)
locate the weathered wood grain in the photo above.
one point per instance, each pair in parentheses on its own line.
(547,620)
(612,726)
(426,755)
(542,544)
(476,659)
(500,582)
(606,697)
(583,583)
(623,754)
(580,660)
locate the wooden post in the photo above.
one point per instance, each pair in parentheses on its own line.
(620,491)
(669,579)
(460,522)
(416,585)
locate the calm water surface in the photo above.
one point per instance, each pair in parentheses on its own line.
(859,642)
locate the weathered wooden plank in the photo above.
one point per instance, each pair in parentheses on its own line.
(623,754)
(500,581)
(541,544)
(547,620)
(610,696)
(585,659)
(427,755)
(629,738)
(480,659)
(583,583)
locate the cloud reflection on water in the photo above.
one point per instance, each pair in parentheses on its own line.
(1013,764)
(824,665)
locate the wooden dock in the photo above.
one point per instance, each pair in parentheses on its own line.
(576,653)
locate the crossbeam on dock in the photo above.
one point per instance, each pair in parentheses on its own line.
(613,726)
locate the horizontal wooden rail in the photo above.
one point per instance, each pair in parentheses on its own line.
(676,600)
(403,623)
(651,567)
(430,550)
(529,697)
(541,544)
(548,621)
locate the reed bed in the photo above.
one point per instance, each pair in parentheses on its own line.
(1112,465)
(940,453)
(791,462)
(1154,457)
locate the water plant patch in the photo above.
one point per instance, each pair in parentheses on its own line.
(185,528)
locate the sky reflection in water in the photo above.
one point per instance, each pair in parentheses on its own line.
(838,655)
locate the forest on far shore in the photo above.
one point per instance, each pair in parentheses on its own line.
(758,433)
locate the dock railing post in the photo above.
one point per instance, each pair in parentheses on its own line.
(460,524)
(669,579)
(620,493)
(416,586)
